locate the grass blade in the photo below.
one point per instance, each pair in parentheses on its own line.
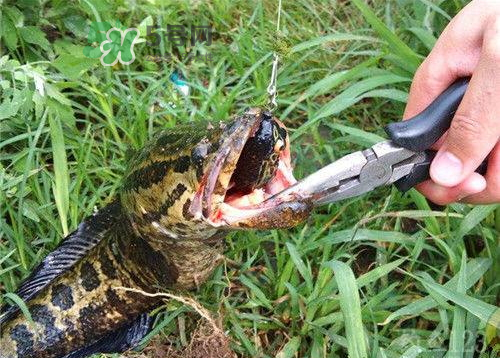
(348,97)
(61,178)
(300,265)
(290,349)
(457,333)
(350,235)
(261,296)
(324,40)
(420,201)
(395,44)
(378,272)
(21,304)
(475,269)
(425,36)
(351,309)
(482,310)
(436,8)
(354,93)
(332,81)
(472,324)
(473,218)
(366,137)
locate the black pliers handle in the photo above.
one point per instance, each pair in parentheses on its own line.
(422,131)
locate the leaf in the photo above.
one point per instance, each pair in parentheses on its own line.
(350,306)
(148,21)
(21,304)
(8,32)
(482,310)
(425,36)
(30,209)
(324,40)
(367,137)
(39,83)
(294,296)
(475,270)
(9,268)
(472,324)
(492,327)
(412,214)
(10,108)
(395,44)
(15,15)
(330,82)
(473,218)
(64,112)
(290,349)
(457,333)
(412,352)
(431,223)
(378,272)
(61,178)
(391,93)
(360,235)
(299,264)
(436,8)
(35,36)
(350,96)
(158,327)
(242,337)
(3,259)
(53,92)
(77,25)
(255,290)
(72,66)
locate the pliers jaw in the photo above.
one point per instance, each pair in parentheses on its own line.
(355,174)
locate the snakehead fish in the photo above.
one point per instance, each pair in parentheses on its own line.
(180,195)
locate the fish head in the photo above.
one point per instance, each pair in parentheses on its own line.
(196,179)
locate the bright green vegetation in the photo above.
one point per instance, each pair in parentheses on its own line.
(383,275)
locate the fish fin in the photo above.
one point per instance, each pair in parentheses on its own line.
(71,249)
(118,341)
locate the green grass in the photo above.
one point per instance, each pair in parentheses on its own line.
(383,275)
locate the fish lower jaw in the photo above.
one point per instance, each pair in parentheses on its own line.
(238,209)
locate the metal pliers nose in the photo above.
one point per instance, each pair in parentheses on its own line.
(403,161)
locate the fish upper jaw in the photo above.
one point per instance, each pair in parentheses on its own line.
(257,209)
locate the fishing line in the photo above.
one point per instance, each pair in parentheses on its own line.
(271,89)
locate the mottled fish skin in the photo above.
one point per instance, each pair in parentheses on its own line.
(156,244)
(85,303)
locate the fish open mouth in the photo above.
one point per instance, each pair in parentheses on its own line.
(238,206)
(220,204)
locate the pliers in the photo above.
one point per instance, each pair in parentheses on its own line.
(404,160)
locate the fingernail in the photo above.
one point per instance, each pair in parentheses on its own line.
(477,183)
(474,184)
(446,169)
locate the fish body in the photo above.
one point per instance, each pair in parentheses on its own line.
(180,196)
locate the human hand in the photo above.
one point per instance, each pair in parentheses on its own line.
(469,46)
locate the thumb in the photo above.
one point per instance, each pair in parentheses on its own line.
(474,130)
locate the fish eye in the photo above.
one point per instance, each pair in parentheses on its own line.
(279,146)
